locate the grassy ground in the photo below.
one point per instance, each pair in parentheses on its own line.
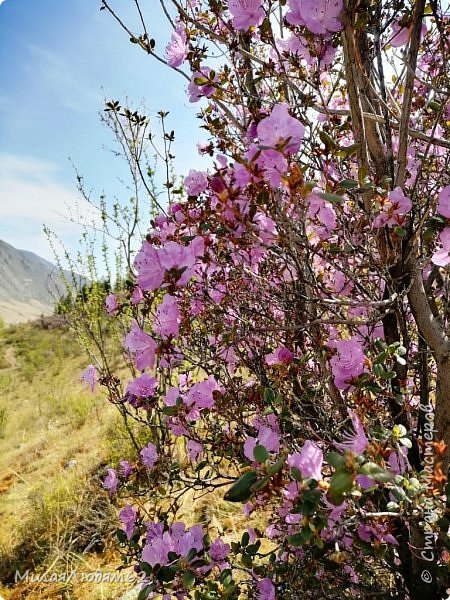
(56,439)
(54,446)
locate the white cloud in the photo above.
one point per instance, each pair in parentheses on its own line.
(31,196)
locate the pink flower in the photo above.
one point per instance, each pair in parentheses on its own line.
(111,304)
(274,165)
(111,481)
(179,257)
(149,455)
(201,84)
(246,13)
(321,211)
(320,16)
(348,363)
(156,552)
(142,345)
(266,590)
(167,322)
(170,399)
(196,182)
(357,442)
(218,550)
(267,437)
(281,356)
(150,273)
(200,395)
(177,48)
(137,296)
(400,34)
(90,376)
(128,517)
(398,461)
(195,450)
(294,16)
(394,209)
(309,461)
(444,202)
(125,468)
(442,257)
(279,129)
(143,386)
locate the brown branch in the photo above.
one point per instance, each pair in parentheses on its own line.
(411,61)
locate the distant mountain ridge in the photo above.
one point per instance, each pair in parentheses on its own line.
(30,286)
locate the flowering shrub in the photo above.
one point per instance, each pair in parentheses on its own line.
(288,317)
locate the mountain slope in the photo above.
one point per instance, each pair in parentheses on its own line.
(29,285)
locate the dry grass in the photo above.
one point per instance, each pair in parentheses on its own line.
(56,439)
(53,441)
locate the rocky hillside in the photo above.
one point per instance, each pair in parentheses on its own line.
(29,285)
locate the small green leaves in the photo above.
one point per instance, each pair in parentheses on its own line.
(335,460)
(188,579)
(260,453)
(145,592)
(245,539)
(269,396)
(348,184)
(333,198)
(301,538)
(200,80)
(376,472)
(121,536)
(240,491)
(341,482)
(277,466)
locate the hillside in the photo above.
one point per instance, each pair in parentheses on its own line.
(29,285)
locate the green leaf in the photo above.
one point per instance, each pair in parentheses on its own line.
(276,466)
(313,495)
(378,370)
(167,574)
(121,536)
(296,474)
(376,472)
(200,80)
(146,568)
(269,395)
(188,579)
(260,484)
(328,141)
(300,538)
(240,490)
(398,493)
(245,539)
(226,577)
(348,184)
(308,508)
(260,453)
(333,198)
(341,482)
(253,548)
(335,460)
(145,592)
(192,554)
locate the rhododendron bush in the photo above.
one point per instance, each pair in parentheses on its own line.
(287,316)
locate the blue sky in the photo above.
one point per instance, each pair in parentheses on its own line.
(58,60)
